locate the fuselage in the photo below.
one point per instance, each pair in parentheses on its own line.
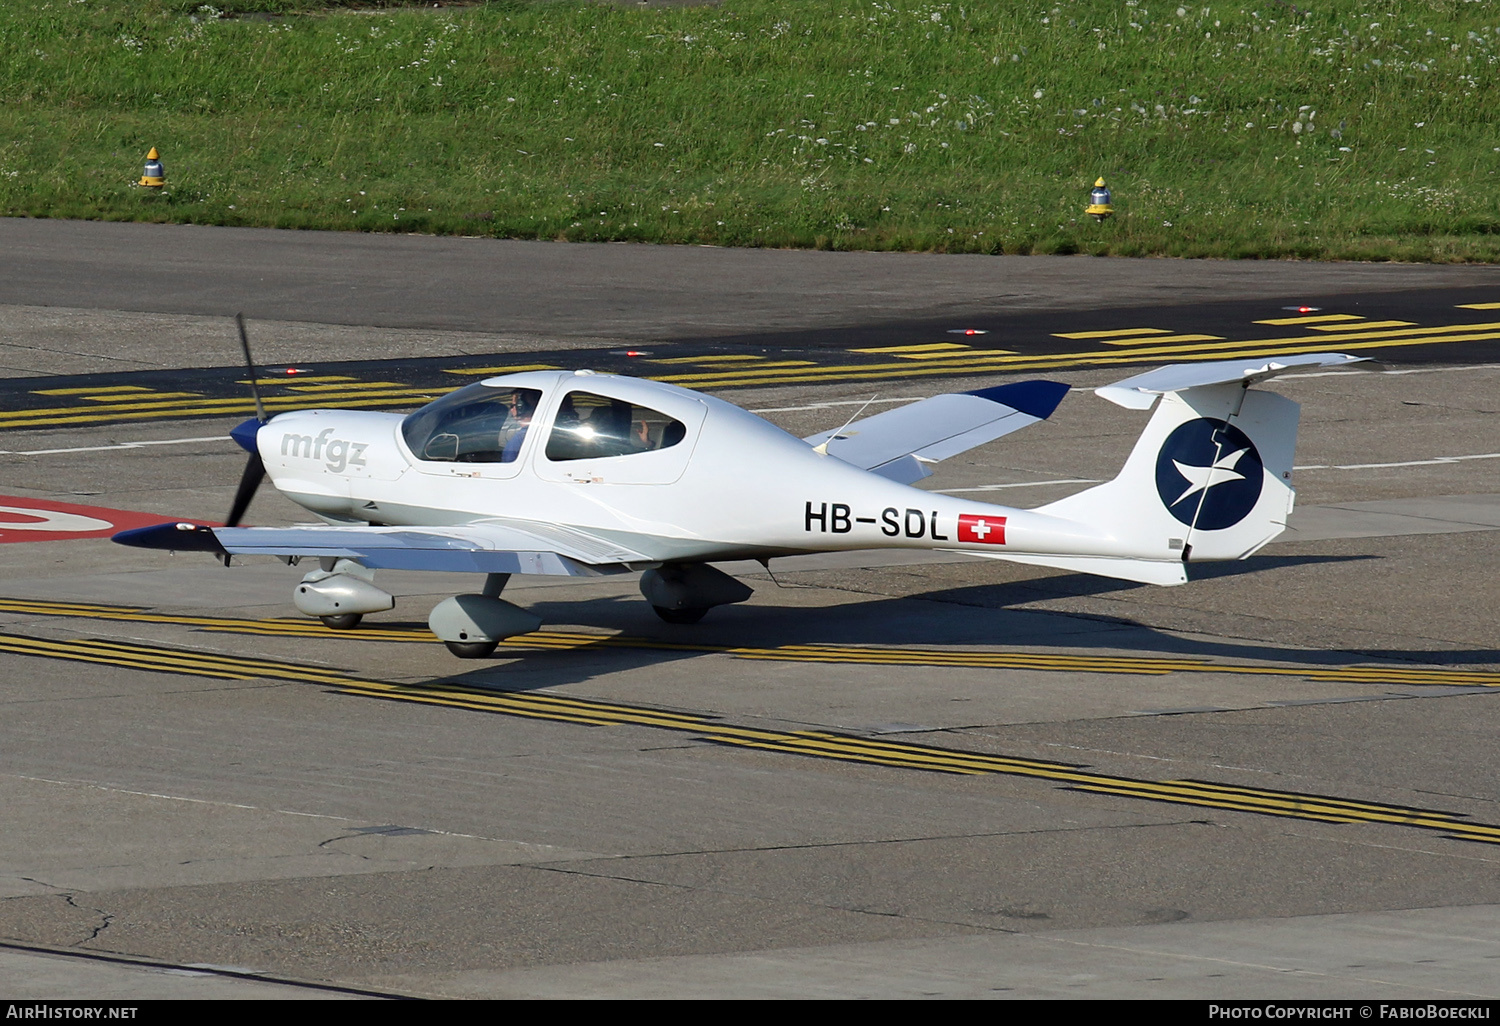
(722,484)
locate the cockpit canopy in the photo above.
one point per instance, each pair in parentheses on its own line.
(475,424)
(480,423)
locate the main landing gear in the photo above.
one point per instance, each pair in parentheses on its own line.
(472,649)
(342,621)
(685,592)
(688,614)
(472,625)
(342,591)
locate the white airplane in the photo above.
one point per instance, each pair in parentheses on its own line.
(581,474)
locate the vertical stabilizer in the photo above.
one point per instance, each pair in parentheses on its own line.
(1209,478)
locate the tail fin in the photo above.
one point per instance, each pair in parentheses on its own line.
(1209,478)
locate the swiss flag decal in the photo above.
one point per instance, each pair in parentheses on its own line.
(975,528)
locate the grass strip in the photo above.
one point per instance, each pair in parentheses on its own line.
(1359,130)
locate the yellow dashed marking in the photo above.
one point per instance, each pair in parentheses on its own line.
(1111,333)
(950,356)
(291,379)
(926,347)
(1361,325)
(91,391)
(1314,319)
(128,397)
(343,388)
(493,371)
(731,358)
(1161,339)
(1348,332)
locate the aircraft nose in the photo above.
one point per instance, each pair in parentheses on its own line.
(244,435)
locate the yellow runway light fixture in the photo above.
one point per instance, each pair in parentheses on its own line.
(1099,201)
(154,175)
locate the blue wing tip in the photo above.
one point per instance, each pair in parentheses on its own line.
(173,537)
(1034,398)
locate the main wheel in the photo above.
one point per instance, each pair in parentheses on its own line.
(342,621)
(471,649)
(691,614)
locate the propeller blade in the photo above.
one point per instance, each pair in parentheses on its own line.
(260,410)
(255,472)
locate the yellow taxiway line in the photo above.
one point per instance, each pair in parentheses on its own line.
(947,359)
(811,743)
(870,655)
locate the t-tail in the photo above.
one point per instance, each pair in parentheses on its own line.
(1210,478)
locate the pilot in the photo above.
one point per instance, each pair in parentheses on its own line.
(522,406)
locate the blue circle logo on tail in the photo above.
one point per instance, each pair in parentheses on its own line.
(1209,471)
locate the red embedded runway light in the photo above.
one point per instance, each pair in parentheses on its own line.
(968,331)
(1303,309)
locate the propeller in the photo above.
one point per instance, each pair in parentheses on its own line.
(244,434)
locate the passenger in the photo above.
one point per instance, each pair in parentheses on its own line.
(615,426)
(522,406)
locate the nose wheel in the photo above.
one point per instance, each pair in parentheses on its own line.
(342,621)
(692,614)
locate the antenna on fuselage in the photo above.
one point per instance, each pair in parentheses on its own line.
(822,446)
(765,561)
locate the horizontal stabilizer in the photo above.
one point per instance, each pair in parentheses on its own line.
(897,442)
(1142,571)
(1139,392)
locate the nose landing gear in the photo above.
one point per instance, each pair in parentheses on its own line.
(340,594)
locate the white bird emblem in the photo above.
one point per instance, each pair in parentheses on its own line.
(1201,479)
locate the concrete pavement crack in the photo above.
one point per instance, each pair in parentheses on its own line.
(106,919)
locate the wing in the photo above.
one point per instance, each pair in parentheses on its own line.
(485,547)
(897,443)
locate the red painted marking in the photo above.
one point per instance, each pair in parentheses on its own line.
(975,528)
(34,520)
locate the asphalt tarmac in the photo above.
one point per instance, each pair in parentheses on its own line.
(882,776)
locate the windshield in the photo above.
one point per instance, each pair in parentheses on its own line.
(475,424)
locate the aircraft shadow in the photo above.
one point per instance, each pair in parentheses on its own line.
(918,620)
